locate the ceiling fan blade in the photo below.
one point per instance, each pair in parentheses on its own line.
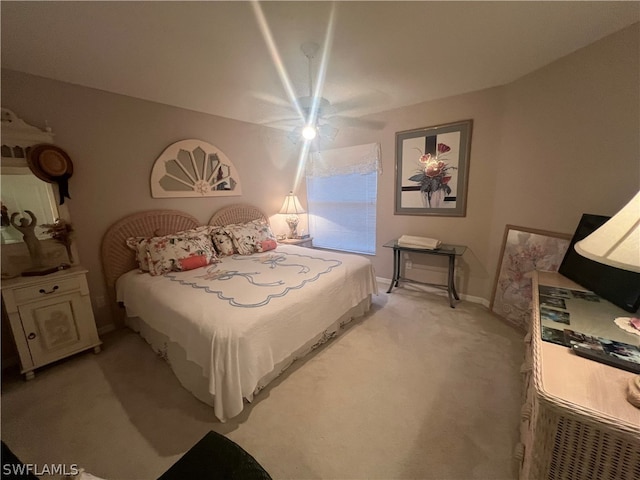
(282,121)
(353,122)
(366,100)
(271,99)
(328,131)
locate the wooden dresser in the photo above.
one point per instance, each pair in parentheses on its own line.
(576,421)
(50,317)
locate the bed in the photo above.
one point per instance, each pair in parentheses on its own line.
(229,328)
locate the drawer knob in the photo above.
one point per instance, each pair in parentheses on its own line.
(31,336)
(55,287)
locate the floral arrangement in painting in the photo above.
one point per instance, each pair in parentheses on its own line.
(433,176)
(60,231)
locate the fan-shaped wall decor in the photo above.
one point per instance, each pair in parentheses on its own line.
(193,168)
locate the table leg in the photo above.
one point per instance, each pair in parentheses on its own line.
(396,269)
(451,288)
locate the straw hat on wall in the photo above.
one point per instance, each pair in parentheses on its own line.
(51,164)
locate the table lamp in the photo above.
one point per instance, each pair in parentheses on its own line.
(617,243)
(291,207)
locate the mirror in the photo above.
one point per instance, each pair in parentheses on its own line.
(21,190)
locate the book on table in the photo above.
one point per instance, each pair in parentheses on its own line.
(411,241)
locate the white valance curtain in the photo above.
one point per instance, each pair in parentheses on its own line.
(361,159)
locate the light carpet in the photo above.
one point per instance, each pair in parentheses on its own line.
(414,389)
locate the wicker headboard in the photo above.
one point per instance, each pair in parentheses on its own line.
(117,258)
(239,213)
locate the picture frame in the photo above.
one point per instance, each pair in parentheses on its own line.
(523,251)
(432,170)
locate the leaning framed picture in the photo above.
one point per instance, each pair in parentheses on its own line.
(523,251)
(432,170)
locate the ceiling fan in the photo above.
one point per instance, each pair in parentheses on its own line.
(319,113)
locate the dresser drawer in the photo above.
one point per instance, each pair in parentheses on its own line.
(46,289)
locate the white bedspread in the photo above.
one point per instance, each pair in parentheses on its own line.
(239,318)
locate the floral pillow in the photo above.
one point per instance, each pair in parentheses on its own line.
(140,244)
(251,237)
(179,252)
(222,241)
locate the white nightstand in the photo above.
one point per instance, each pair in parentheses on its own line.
(302,242)
(50,317)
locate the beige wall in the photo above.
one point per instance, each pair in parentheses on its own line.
(559,142)
(113,141)
(570,141)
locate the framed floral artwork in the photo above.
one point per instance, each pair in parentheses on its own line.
(432,167)
(524,250)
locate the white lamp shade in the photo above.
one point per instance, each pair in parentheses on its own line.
(291,205)
(617,242)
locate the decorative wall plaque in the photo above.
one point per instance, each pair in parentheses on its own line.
(193,168)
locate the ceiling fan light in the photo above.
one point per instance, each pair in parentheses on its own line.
(309,132)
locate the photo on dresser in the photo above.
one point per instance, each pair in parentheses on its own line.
(603,350)
(622,351)
(552,335)
(555,302)
(581,294)
(553,291)
(585,341)
(558,316)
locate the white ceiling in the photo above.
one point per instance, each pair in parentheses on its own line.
(212,57)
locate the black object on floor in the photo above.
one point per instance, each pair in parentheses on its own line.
(216,457)
(12,467)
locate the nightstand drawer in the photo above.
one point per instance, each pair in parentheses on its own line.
(46,289)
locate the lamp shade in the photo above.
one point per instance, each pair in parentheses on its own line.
(617,242)
(291,205)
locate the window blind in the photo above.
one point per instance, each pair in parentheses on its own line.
(342,186)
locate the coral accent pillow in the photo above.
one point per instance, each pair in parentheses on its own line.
(191,263)
(266,245)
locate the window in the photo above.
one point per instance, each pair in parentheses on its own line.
(342,187)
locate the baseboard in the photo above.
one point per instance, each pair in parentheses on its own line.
(438,291)
(110,327)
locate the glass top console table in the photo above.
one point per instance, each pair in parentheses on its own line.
(451,251)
